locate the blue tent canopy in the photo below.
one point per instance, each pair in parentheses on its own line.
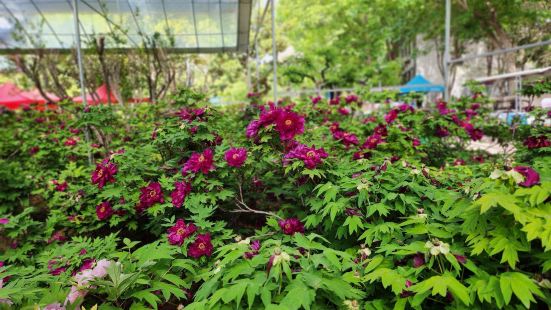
(421,85)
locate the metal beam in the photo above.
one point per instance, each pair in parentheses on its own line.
(447,50)
(194,23)
(274,51)
(243,24)
(47,23)
(221,24)
(501,51)
(81,71)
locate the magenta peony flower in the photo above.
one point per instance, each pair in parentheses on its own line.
(235,157)
(150,195)
(442,132)
(190,115)
(200,162)
(253,128)
(391,116)
(470,113)
(372,141)
(202,246)
(4,221)
(181,190)
(105,172)
(309,155)
(415,142)
(180,231)
(405,107)
(104,210)
(442,108)
(291,226)
(475,106)
(289,124)
(531,177)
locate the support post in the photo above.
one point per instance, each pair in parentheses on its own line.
(447,50)
(274,51)
(81,71)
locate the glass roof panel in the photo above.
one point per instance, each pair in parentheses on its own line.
(184,25)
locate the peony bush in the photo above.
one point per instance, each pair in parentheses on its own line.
(307,203)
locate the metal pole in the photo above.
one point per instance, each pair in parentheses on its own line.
(274,50)
(81,71)
(447,50)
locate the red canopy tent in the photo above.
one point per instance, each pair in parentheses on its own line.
(41,102)
(11,97)
(100,97)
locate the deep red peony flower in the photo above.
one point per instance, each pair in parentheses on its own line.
(180,231)
(200,162)
(202,246)
(442,132)
(372,141)
(531,177)
(289,124)
(335,101)
(415,142)
(291,226)
(181,190)
(351,98)
(190,115)
(316,99)
(391,116)
(104,210)
(150,195)
(381,130)
(459,162)
(418,260)
(537,142)
(344,111)
(235,157)
(60,187)
(475,106)
(33,150)
(470,113)
(442,108)
(309,155)
(72,141)
(105,172)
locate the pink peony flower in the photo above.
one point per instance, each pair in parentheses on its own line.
(202,246)
(200,162)
(289,124)
(235,157)
(180,231)
(181,190)
(150,195)
(4,221)
(105,172)
(309,155)
(291,226)
(531,177)
(104,210)
(100,270)
(55,306)
(415,142)
(75,294)
(253,128)
(405,107)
